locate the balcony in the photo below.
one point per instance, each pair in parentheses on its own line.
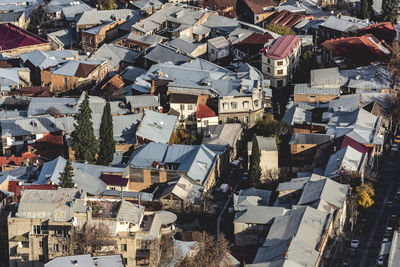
(22,250)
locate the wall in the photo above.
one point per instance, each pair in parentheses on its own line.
(26,49)
(269,160)
(308,98)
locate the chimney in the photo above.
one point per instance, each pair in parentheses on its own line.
(241,85)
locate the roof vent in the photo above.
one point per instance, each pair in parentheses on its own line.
(33,123)
(358,77)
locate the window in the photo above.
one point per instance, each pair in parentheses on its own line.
(225,106)
(25,244)
(233,105)
(280,71)
(124,247)
(41,258)
(280,83)
(182,107)
(64,248)
(268,69)
(59,232)
(36,229)
(302,146)
(40,244)
(190,107)
(246,104)
(65,81)
(55,247)
(280,63)
(144,245)
(126,261)
(256,103)
(245,119)
(269,61)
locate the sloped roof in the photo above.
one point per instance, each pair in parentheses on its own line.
(344,24)
(259,214)
(156,127)
(115,54)
(282,47)
(297,115)
(310,138)
(12,37)
(138,101)
(381,30)
(163,53)
(223,134)
(129,212)
(204,111)
(28,126)
(93,17)
(347,157)
(327,190)
(359,50)
(87,260)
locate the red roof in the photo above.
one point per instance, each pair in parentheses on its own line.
(16,189)
(382,30)
(33,90)
(112,179)
(256,39)
(18,161)
(282,47)
(222,6)
(257,6)
(360,51)
(12,37)
(204,111)
(55,139)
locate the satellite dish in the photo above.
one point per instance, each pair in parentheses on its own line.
(19,183)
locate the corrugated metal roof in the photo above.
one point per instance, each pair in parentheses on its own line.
(259,214)
(129,212)
(324,77)
(93,17)
(139,101)
(163,53)
(28,126)
(347,157)
(305,89)
(87,261)
(344,24)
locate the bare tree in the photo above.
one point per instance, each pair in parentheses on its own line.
(91,238)
(352,178)
(211,252)
(394,63)
(52,111)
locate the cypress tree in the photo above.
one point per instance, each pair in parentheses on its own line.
(66,176)
(107,142)
(255,169)
(389,10)
(365,9)
(84,143)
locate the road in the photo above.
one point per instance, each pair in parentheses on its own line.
(377,216)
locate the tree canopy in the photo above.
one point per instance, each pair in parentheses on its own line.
(365,193)
(255,170)
(366,9)
(83,140)
(307,62)
(107,142)
(66,176)
(390,10)
(279,29)
(107,4)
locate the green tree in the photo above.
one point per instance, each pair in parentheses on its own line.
(107,4)
(279,29)
(366,9)
(66,176)
(390,10)
(84,143)
(307,62)
(255,169)
(107,142)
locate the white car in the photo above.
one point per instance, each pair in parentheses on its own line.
(380,261)
(355,243)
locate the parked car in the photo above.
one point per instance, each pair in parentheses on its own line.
(355,243)
(352,252)
(397,139)
(380,260)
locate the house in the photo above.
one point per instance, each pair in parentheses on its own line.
(252,225)
(185,106)
(162,53)
(300,120)
(61,13)
(159,163)
(253,11)
(251,46)
(138,103)
(352,52)
(38,224)
(138,41)
(289,192)
(93,38)
(63,39)
(268,157)
(181,194)
(15,41)
(347,158)
(73,73)
(15,18)
(340,26)
(324,86)
(251,197)
(189,46)
(205,117)
(149,6)
(117,57)
(286,18)
(155,127)
(87,259)
(13,79)
(115,182)
(217,48)
(381,30)
(374,78)
(38,61)
(329,196)
(280,59)
(226,8)
(304,145)
(299,237)
(229,135)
